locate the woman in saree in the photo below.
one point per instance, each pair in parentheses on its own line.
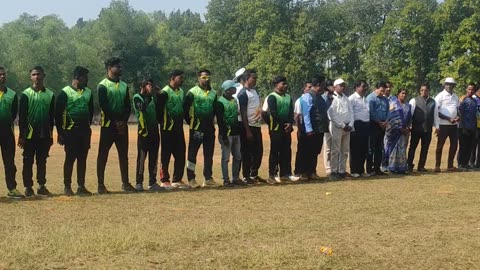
(397,132)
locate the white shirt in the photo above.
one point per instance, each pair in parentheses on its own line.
(360,107)
(253,107)
(298,107)
(447,105)
(436,119)
(341,112)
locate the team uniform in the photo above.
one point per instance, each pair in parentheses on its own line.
(8,113)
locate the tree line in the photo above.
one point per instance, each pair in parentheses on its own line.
(404,41)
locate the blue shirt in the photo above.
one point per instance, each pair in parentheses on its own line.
(306,103)
(378,107)
(468,113)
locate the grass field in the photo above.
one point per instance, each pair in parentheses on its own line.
(429,221)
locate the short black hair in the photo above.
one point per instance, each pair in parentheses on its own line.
(316,81)
(401,89)
(37,68)
(174,73)
(146,81)
(112,61)
(278,79)
(426,85)
(79,71)
(202,71)
(307,82)
(359,83)
(248,73)
(472,84)
(2,68)
(380,84)
(328,82)
(388,82)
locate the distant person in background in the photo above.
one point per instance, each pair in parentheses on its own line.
(36,121)
(73,117)
(115,105)
(424,117)
(250,133)
(148,139)
(340,114)
(388,90)
(8,113)
(397,132)
(475,156)
(327,136)
(467,127)
(199,112)
(229,133)
(315,125)
(378,109)
(170,116)
(359,138)
(298,117)
(279,117)
(447,103)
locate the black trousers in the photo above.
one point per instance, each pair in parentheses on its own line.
(475,156)
(108,136)
(446,131)
(77,144)
(173,143)
(252,152)
(416,137)
(35,149)
(280,154)
(466,140)
(375,148)
(313,147)
(7,144)
(359,147)
(198,138)
(300,156)
(148,146)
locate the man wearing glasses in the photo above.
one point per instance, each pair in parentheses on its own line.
(199,112)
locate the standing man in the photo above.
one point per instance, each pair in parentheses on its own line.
(8,113)
(297,115)
(279,117)
(73,117)
(447,103)
(315,125)
(250,134)
(170,109)
(475,156)
(388,90)
(148,140)
(341,124)
(359,138)
(467,127)
(378,107)
(424,118)
(199,110)
(327,136)
(115,108)
(229,133)
(36,120)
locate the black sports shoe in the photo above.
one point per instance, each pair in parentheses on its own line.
(239,182)
(102,190)
(127,187)
(68,191)
(228,184)
(43,191)
(250,181)
(29,192)
(82,191)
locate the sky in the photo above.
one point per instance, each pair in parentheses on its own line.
(70,11)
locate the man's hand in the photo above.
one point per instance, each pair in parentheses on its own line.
(436,132)
(347,128)
(60,139)
(21,142)
(310,134)
(383,125)
(288,127)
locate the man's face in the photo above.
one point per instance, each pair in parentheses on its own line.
(424,91)
(148,88)
(178,80)
(82,81)
(307,88)
(380,91)
(470,90)
(204,79)
(340,88)
(252,80)
(388,89)
(116,70)
(3,76)
(361,89)
(449,87)
(230,92)
(282,87)
(37,76)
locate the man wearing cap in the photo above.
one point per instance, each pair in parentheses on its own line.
(229,133)
(340,114)
(447,103)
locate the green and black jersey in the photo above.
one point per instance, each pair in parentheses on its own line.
(227,117)
(170,108)
(146,113)
(74,109)
(8,108)
(114,101)
(199,108)
(36,114)
(280,111)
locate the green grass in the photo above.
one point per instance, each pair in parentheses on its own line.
(426,221)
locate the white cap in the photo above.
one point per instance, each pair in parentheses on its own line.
(338,81)
(450,80)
